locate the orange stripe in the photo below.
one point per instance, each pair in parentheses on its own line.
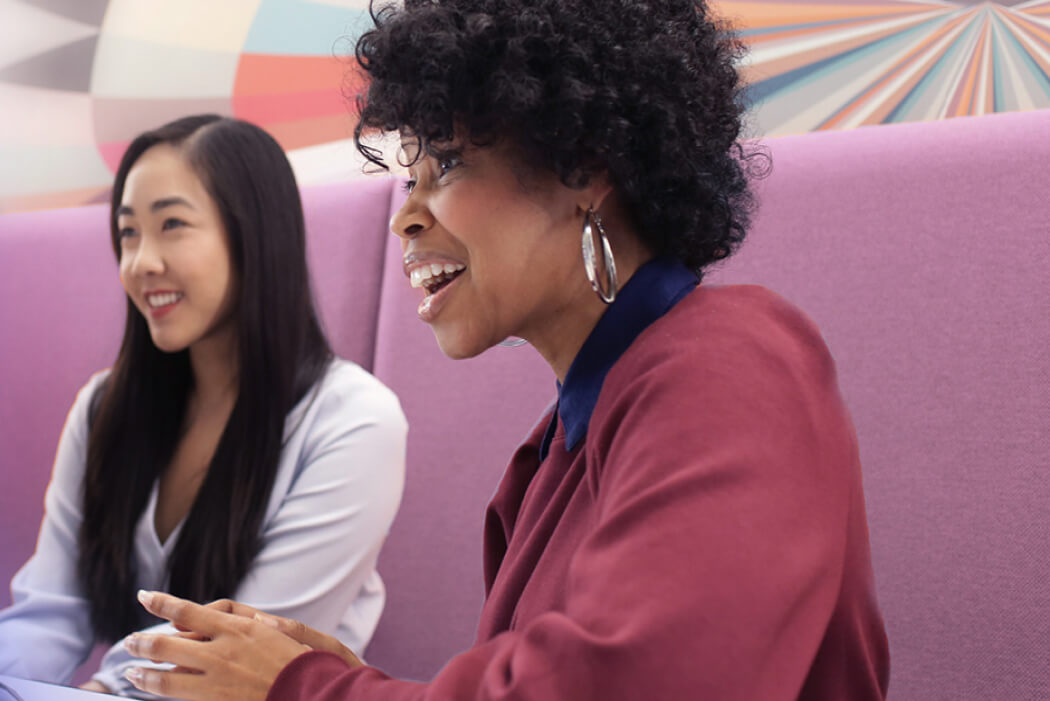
(806,31)
(988,99)
(756,15)
(969,92)
(266,109)
(311,132)
(259,74)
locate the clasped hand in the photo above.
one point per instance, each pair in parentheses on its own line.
(225,650)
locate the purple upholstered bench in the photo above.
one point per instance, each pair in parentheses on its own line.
(921,250)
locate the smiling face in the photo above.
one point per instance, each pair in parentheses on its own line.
(175,260)
(496,253)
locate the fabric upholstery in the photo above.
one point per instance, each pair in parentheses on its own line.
(920,250)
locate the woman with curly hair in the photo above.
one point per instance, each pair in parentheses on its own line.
(687,521)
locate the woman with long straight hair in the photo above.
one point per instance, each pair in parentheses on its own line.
(227,452)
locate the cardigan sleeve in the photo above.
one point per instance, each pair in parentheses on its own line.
(725,475)
(46,633)
(319,549)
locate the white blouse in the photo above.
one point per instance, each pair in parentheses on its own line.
(337,489)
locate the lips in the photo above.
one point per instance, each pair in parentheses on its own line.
(161,302)
(436,274)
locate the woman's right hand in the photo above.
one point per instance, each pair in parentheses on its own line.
(296,630)
(223,652)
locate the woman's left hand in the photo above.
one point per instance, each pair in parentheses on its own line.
(227,650)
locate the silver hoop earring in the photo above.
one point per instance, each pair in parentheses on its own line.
(511,342)
(590,223)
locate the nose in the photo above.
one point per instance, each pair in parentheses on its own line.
(412,219)
(146,259)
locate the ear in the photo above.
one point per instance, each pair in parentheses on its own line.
(595,192)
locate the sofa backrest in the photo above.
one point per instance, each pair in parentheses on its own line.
(920,250)
(923,253)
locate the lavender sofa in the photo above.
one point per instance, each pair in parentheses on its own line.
(921,250)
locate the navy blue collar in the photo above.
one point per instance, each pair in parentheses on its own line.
(648,295)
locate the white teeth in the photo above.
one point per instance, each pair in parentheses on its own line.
(419,276)
(163,300)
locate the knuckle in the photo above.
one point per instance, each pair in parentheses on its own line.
(243,626)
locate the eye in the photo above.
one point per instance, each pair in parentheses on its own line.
(172,223)
(126,232)
(449,163)
(408,186)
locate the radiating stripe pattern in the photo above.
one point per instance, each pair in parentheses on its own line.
(79,79)
(826,65)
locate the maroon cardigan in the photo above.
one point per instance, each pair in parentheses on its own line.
(706,540)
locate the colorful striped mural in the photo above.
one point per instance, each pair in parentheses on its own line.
(79,78)
(833,65)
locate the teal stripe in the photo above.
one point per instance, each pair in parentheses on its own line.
(998,99)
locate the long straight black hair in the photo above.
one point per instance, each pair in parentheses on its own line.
(138,414)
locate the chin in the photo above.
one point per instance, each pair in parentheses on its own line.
(167,345)
(458,348)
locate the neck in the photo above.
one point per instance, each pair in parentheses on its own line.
(214,363)
(563,334)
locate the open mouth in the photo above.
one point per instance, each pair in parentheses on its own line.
(436,283)
(163,299)
(435,276)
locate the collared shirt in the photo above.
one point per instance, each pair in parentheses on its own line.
(648,295)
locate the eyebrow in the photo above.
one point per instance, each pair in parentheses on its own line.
(157,205)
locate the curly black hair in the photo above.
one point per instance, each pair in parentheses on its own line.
(645,90)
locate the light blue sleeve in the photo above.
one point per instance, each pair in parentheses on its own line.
(46,632)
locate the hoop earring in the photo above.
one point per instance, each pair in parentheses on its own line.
(589,255)
(511,342)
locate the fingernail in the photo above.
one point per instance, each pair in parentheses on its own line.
(131,643)
(272,622)
(145,598)
(134,675)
